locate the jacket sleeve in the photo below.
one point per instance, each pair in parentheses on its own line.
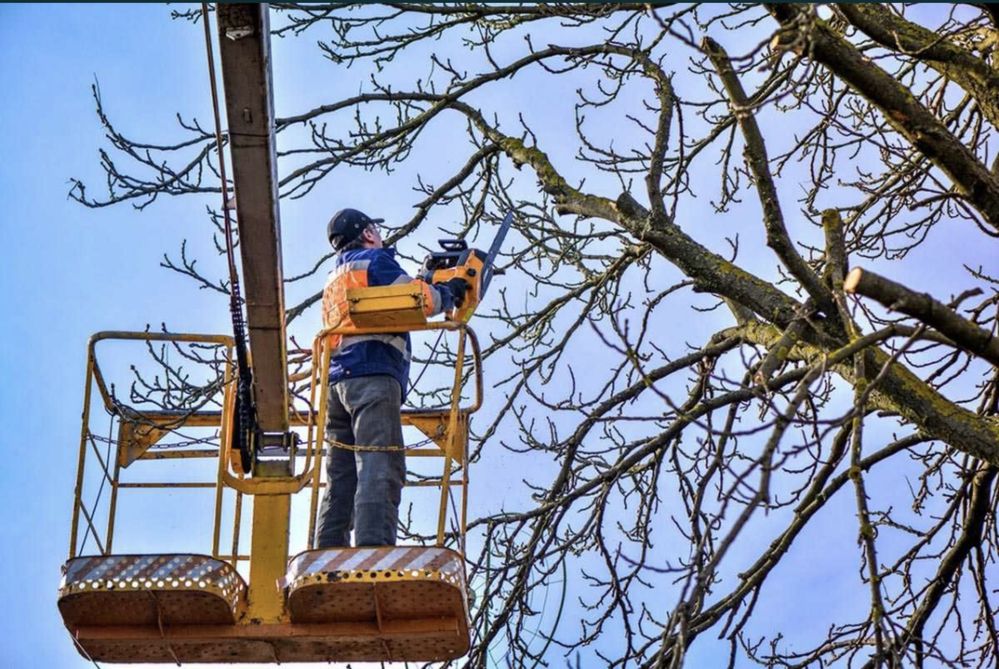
(385,271)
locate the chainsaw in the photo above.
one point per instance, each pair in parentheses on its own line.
(457,261)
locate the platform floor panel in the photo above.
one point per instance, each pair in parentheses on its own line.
(153,590)
(381,586)
(162,652)
(344,605)
(356,602)
(417,641)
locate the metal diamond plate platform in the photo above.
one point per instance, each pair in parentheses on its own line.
(344,605)
(149,590)
(391,588)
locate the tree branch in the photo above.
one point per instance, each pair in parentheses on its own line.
(894,32)
(899,391)
(778,238)
(811,36)
(925,308)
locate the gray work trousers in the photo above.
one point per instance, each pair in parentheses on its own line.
(364,487)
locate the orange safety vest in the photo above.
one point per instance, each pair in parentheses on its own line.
(354,270)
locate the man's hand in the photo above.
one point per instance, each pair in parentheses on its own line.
(458,288)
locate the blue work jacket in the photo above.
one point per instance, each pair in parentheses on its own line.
(370,354)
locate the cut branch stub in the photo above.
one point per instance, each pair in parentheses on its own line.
(926,309)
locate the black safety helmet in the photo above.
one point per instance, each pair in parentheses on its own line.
(347,225)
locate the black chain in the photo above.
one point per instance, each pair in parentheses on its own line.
(244,419)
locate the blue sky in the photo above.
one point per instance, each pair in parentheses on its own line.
(59,272)
(69,271)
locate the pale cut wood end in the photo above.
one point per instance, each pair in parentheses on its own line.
(852,280)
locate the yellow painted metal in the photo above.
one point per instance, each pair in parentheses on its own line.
(167,484)
(268,557)
(113,505)
(135,438)
(447,428)
(139,431)
(442,509)
(127,335)
(429,326)
(433,483)
(383,585)
(224,445)
(272,482)
(233,558)
(230,457)
(82,459)
(464,495)
(452,446)
(437,425)
(346,631)
(352,642)
(321,352)
(268,484)
(194,454)
(133,443)
(399,306)
(92,528)
(272,489)
(237,523)
(425,453)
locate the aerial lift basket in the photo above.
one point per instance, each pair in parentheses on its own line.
(390,603)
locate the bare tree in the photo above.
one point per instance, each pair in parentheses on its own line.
(703,390)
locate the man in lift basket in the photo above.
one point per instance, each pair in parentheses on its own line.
(369,374)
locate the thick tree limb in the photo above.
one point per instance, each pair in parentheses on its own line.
(924,307)
(778,353)
(778,238)
(902,392)
(836,259)
(810,35)
(961,66)
(710,271)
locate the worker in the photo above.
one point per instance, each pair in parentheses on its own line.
(368,378)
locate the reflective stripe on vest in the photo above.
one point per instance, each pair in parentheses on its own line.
(336,310)
(431,296)
(395,341)
(353,274)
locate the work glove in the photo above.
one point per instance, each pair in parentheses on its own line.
(458,288)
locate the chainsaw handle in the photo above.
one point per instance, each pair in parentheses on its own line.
(453,245)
